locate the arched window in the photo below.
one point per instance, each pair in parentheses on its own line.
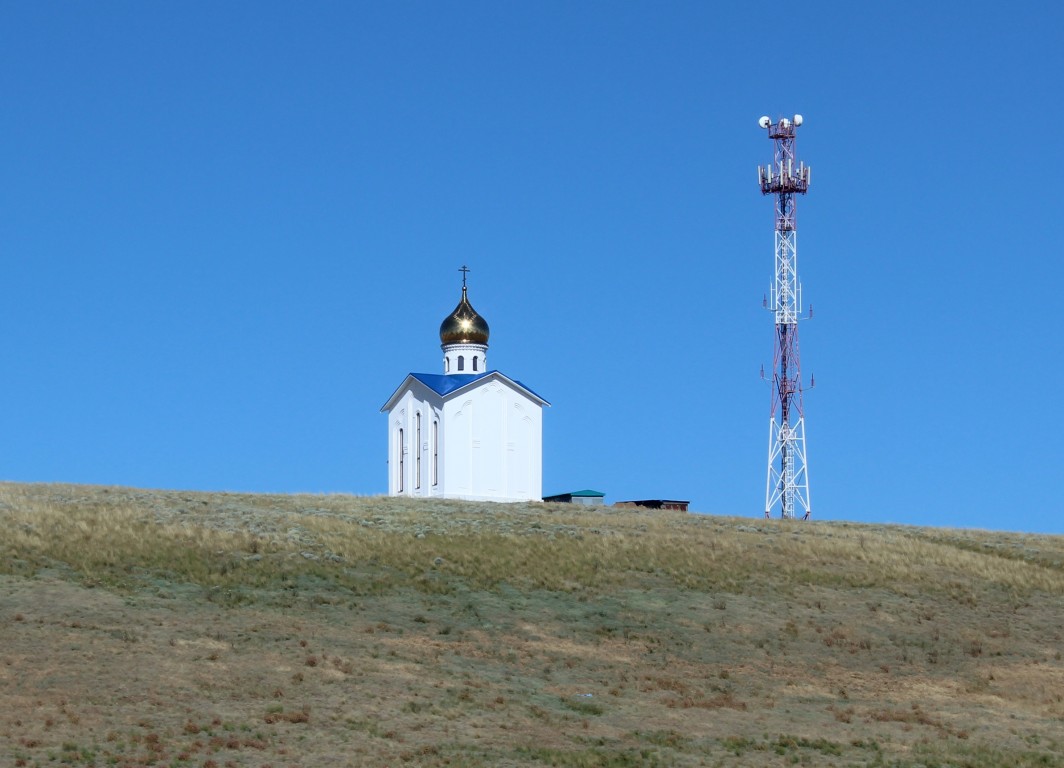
(402,463)
(446,365)
(435,452)
(461,363)
(474,362)
(417,454)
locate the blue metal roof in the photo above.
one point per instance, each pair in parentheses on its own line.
(444,384)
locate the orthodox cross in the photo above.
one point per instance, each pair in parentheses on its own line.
(464,270)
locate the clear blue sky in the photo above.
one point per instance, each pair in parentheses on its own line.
(228,231)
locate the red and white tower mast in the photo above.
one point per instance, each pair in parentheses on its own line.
(787,484)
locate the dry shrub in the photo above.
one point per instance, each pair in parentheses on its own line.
(724,700)
(666,684)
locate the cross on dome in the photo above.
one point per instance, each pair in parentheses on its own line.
(464,325)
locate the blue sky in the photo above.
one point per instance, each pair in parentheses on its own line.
(228,231)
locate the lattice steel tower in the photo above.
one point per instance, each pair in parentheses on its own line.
(787,484)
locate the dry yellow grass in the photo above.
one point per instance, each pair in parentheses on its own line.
(328,630)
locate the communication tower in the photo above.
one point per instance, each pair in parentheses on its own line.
(787,483)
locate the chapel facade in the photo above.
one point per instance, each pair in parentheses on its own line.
(469,433)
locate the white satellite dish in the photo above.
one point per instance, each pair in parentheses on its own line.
(785,123)
(764,122)
(797,119)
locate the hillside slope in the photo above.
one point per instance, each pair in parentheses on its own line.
(199,629)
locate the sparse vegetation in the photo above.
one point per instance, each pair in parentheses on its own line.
(176,628)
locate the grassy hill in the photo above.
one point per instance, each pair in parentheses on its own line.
(199,629)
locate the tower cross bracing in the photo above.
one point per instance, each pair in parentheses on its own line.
(787,479)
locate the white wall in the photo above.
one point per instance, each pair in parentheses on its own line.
(451,352)
(493,445)
(490,449)
(417,399)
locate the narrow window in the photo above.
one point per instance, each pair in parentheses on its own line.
(435,452)
(461,363)
(417,454)
(474,362)
(402,462)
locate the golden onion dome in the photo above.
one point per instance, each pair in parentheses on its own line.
(464,325)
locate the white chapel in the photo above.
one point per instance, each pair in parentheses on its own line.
(470,432)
